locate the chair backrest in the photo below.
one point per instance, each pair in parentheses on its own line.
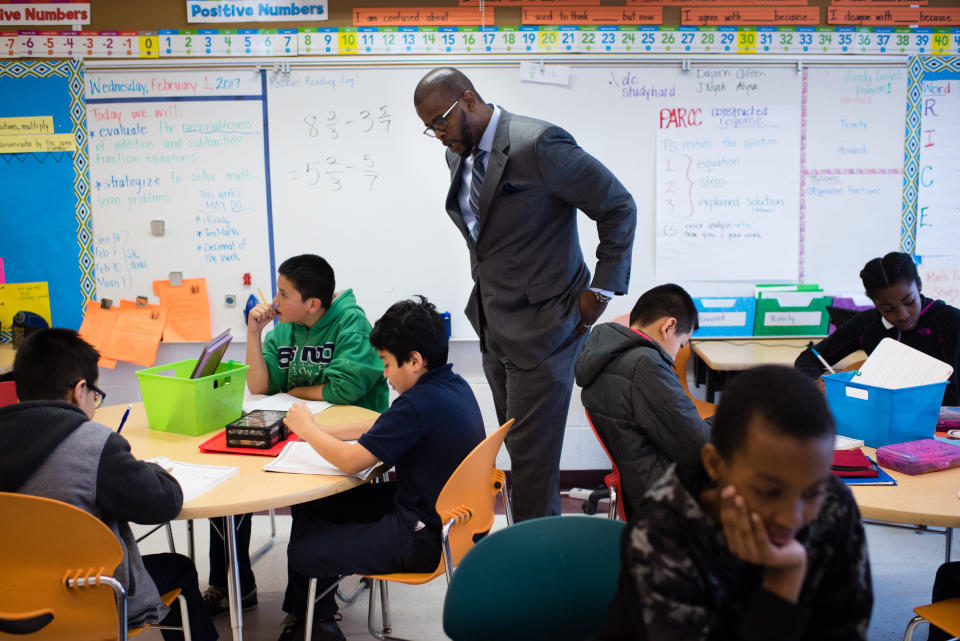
(615,481)
(473,487)
(704,408)
(8,393)
(42,543)
(549,578)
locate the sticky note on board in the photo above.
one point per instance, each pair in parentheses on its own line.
(26,125)
(188,310)
(24,297)
(97,326)
(136,334)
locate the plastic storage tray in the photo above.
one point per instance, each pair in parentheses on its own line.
(177,403)
(880,416)
(919,457)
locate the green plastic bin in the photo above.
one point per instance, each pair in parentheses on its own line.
(177,403)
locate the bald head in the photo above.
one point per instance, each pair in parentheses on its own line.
(445,82)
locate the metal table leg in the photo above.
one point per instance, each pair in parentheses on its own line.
(233,579)
(949,535)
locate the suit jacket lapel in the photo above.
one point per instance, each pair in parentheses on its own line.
(496,162)
(453,198)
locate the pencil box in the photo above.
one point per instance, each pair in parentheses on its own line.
(260,429)
(919,457)
(949,418)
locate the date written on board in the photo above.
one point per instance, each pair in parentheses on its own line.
(332,124)
(337,174)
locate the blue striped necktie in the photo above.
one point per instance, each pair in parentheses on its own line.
(475,185)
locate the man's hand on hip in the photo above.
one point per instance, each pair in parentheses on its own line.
(590,309)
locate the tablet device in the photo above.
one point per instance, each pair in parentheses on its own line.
(211,355)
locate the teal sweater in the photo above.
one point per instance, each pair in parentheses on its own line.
(335,352)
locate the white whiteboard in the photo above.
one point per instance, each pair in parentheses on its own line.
(187,149)
(353,179)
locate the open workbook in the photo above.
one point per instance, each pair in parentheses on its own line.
(195,479)
(282,402)
(299,457)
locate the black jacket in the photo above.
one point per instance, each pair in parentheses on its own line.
(634,398)
(937,334)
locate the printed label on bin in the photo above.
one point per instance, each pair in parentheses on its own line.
(722,319)
(857,392)
(773,319)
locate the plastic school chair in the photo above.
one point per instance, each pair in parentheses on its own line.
(611,480)
(465,506)
(8,393)
(943,614)
(548,578)
(704,408)
(56,581)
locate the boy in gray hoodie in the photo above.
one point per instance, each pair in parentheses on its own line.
(51,447)
(632,393)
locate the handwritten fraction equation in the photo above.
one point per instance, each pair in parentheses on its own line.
(336,174)
(332,124)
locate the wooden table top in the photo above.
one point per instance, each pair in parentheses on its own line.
(736,354)
(925,499)
(252,489)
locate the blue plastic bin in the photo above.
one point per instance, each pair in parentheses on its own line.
(882,416)
(725,316)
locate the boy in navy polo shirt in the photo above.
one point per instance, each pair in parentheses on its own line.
(426,433)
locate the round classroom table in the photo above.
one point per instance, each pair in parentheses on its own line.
(926,499)
(251,490)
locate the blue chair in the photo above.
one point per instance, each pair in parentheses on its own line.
(550,578)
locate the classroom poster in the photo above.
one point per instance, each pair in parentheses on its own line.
(45,227)
(938,196)
(727,184)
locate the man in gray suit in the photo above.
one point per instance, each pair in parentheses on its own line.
(515,186)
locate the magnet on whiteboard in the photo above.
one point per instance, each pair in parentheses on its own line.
(141,301)
(230,300)
(176,279)
(156,227)
(106,303)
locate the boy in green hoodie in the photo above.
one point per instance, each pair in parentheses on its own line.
(320,350)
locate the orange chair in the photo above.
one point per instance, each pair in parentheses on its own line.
(465,506)
(56,581)
(704,408)
(943,614)
(611,480)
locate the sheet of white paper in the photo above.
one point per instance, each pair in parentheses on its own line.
(195,479)
(299,457)
(282,402)
(894,365)
(846,443)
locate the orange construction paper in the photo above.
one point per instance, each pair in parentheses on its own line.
(718,3)
(893,16)
(882,3)
(188,310)
(421,16)
(724,16)
(96,328)
(592,15)
(531,3)
(136,334)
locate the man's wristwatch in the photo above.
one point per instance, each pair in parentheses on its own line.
(603,299)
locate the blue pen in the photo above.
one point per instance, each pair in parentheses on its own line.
(822,360)
(125,415)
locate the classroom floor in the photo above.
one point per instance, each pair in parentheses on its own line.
(903,563)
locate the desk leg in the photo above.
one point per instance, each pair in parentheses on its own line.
(949,550)
(233,579)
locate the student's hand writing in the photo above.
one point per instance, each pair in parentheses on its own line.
(299,419)
(786,564)
(259,317)
(590,310)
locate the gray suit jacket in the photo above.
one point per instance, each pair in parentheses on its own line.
(527,267)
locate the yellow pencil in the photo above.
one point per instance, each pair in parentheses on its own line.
(262,297)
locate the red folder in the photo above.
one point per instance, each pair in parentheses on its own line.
(218,444)
(852,463)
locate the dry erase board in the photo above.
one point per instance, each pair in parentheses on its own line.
(806,164)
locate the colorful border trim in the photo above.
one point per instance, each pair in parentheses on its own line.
(917,67)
